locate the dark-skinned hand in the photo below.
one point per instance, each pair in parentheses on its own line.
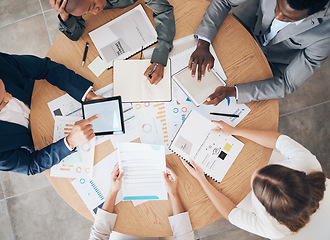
(157,74)
(201,59)
(219,94)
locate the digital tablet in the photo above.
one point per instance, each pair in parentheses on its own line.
(110,111)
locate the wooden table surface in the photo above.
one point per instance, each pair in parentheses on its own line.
(242,60)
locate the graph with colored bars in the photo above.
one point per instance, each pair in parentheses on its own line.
(97,190)
(68,128)
(161,116)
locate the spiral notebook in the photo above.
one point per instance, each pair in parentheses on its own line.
(213,152)
(124,36)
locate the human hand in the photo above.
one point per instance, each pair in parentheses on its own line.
(201,58)
(171,181)
(58,6)
(219,94)
(82,132)
(157,74)
(116,179)
(223,128)
(196,171)
(92,96)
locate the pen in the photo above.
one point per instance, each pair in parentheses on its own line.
(152,71)
(225,114)
(85,54)
(141,52)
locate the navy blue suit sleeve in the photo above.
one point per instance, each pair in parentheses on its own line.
(57,74)
(23,161)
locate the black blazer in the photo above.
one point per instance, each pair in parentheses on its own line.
(19,73)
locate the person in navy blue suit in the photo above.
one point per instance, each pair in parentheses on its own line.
(17,76)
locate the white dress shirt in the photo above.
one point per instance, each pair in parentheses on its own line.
(105,221)
(18,112)
(250,214)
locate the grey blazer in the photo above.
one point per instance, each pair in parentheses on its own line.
(295,53)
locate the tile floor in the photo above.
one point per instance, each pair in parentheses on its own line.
(29,206)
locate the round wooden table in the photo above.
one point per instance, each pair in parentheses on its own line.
(242,60)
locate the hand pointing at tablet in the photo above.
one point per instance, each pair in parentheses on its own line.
(82,132)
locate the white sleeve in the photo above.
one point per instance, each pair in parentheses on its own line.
(250,222)
(181,226)
(103,225)
(296,156)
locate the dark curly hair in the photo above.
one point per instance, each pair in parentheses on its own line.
(313,6)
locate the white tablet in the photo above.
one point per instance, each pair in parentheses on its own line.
(198,91)
(110,111)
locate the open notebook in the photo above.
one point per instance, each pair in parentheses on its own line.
(130,83)
(213,152)
(124,36)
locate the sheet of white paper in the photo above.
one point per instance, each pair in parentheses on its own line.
(93,191)
(124,36)
(144,165)
(97,66)
(131,130)
(138,202)
(77,164)
(65,106)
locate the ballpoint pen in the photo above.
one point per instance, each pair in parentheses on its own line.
(152,71)
(225,114)
(85,54)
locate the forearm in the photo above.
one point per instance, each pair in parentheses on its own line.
(165,28)
(213,18)
(221,202)
(73,27)
(110,201)
(265,138)
(176,204)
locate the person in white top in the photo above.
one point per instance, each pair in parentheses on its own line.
(284,193)
(106,218)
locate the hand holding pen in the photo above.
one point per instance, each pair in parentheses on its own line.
(154,73)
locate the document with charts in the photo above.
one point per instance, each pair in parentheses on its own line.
(143,166)
(124,36)
(94,190)
(213,152)
(79,163)
(130,83)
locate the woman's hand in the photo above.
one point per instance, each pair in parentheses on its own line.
(196,171)
(223,128)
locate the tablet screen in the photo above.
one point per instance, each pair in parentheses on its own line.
(110,120)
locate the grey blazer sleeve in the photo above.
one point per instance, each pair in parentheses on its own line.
(165,28)
(73,28)
(214,16)
(301,68)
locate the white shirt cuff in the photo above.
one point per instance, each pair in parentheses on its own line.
(236,97)
(88,90)
(203,38)
(67,145)
(180,224)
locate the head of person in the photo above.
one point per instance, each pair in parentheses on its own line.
(295,10)
(80,7)
(290,196)
(5,97)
